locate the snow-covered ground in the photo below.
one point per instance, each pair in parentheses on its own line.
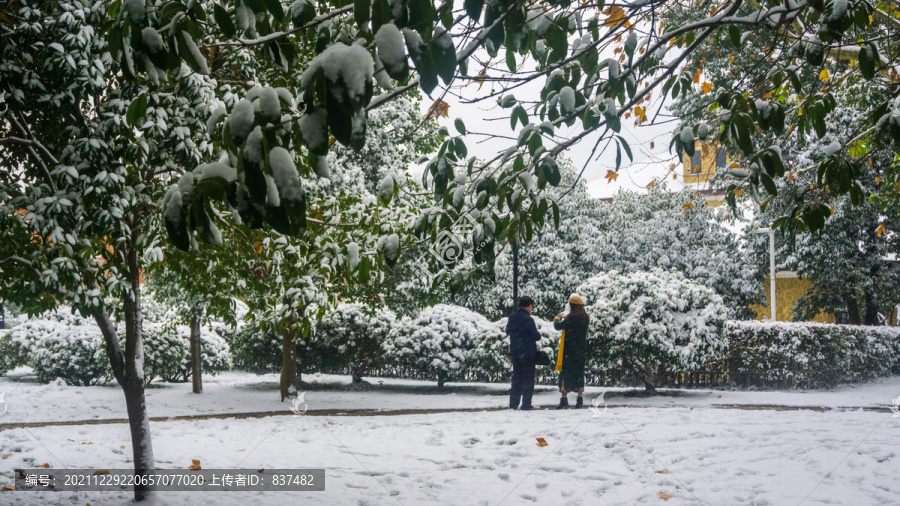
(681,446)
(240,392)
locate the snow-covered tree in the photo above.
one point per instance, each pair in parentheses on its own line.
(86,152)
(438,343)
(652,323)
(673,230)
(357,335)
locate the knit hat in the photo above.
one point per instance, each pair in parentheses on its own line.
(574,299)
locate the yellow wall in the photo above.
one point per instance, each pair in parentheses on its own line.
(707,164)
(787,291)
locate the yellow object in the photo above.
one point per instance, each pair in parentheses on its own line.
(562,340)
(576,300)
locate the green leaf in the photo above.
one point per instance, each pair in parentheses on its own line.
(868,56)
(361,13)
(223,19)
(275,7)
(551,171)
(734,34)
(511,60)
(381,14)
(768,183)
(136,110)
(627,148)
(460,126)
(474,8)
(424,65)
(443,54)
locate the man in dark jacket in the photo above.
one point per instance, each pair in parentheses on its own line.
(523,334)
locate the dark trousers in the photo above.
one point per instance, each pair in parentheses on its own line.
(522,382)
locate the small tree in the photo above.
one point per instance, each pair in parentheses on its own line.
(356,334)
(439,343)
(651,323)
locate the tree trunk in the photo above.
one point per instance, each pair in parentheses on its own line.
(871,311)
(289,362)
(440,382)
(356,375)
(197,379)
(128,369)
(852,310)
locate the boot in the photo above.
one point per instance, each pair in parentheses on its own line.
(563,402)
(579,403)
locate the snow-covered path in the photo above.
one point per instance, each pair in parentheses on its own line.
(240,392)
(623,456)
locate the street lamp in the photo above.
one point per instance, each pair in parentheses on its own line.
(771,233)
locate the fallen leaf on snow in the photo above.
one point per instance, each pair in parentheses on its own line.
(664,496)
(101,472)
(661,472)
(45,465)
(6,456)
(195,466)
(8,488)
(542,442)
(719,396)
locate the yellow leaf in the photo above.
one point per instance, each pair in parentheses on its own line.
(735,165)
(687,206)
(664,496)
(258,247)
(9,488)
(542,442)
(616,15)
(45,465)
(824,75)
(6,456)
(675,176)
(877,180)
(196,462)
(661,472)
(706,87)
(880,229)
(611,176)
(790,176)
(651,184)
(731,58)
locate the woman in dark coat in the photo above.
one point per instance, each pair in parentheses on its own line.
(574,351)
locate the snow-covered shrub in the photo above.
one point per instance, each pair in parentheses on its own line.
(164,352)
(356,335)
(259,350)
(439,343)
(491,355)
(59,344)
(167,352)
(215,354)
(652,323)
(811,355)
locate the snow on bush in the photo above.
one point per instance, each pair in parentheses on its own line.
(491,356)
(356,334)
(812,355)
(168,348)
(439,343)
(59,345)
(652,323)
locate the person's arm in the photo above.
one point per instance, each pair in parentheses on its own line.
(560,324)
(532,330)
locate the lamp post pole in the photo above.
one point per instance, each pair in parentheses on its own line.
(771,233)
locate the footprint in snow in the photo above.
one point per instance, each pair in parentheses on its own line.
(470,442)
(503,476)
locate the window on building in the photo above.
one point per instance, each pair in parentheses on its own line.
(720,158)
(696,162)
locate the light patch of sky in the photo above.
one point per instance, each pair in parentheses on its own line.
(489,130)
